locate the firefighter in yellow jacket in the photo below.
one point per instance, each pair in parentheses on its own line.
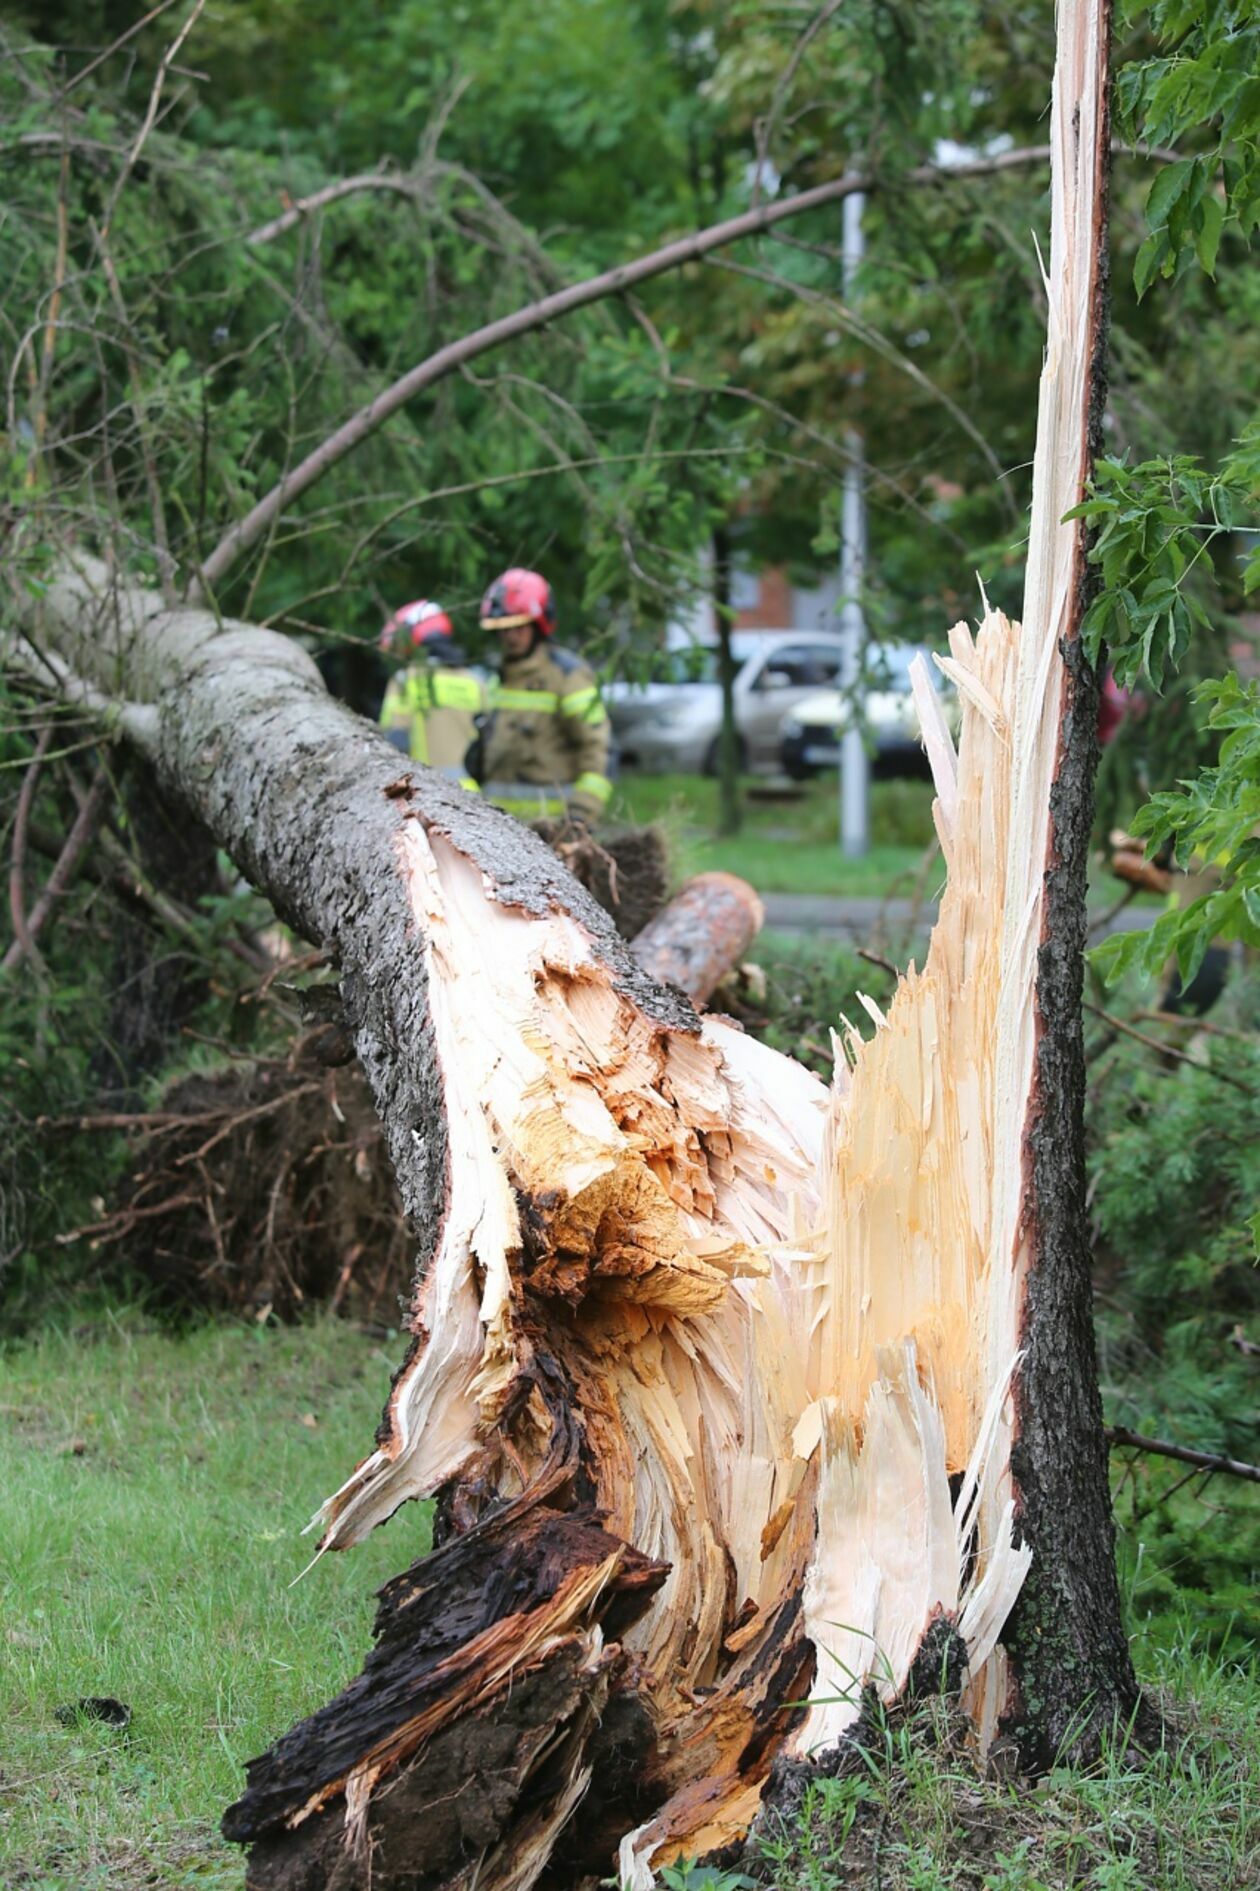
(548,727)
(429,705)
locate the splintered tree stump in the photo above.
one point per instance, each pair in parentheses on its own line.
(742,1396)
(822,1356)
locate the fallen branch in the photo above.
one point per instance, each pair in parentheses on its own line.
(64,868)
(1119,1436)
(1164,1050)
(113,1227)
(1187,1021)
(392,182)
(247,531)
(22,938)
(877,958)
(704,931)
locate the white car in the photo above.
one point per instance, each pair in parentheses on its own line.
(811,735)
(673,721)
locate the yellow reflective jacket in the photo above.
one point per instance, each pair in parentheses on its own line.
(548,727)
(432,709)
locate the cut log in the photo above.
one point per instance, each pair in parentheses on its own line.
(702,934)
(740,1395)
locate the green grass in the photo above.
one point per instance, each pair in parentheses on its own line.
(1182,1818)
(790,846)
(153,1488)
(912,1811)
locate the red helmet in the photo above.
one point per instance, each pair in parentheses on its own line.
(413,625)
(519,597)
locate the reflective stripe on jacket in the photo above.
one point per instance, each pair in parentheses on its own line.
(434,708)
(549,727)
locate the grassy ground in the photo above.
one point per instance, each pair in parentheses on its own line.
(789,846)
(152,1487)
(913,1813)
(152,1493)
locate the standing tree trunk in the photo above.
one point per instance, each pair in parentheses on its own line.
(739,1395)
(729,812)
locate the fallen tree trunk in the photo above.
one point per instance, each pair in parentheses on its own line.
(740,1395)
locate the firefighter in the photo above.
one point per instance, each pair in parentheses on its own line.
(429,705)
(548,728)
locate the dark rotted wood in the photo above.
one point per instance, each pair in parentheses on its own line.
(505,1568)
(432,1824)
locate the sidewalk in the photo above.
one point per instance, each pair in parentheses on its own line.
(858,919)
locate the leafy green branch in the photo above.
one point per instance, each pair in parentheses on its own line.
(1154,524)
(1203,81)
(1214,818)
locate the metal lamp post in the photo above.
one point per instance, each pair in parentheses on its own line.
(854,768)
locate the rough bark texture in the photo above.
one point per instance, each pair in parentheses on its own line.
(1066,1637)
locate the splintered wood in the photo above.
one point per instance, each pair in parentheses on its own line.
(783,1316)
(748,1340)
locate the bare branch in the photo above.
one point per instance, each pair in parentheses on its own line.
(157,510)
(137,721)
(1164,1050)
(766,127)
(246,532)
(64,869)
(890,353)
(100,59)
(54,311)
(23,941)
(1120,1435)
(300,208)
(146,125)
(835,447)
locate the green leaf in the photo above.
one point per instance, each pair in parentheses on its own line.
(1149,258)
(1208,240)
(1167,190)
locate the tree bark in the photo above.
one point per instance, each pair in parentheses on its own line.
(703,932)
(1066,1636)
(730,814)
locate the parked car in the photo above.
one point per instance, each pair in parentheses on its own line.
(811,735)
(673,721)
